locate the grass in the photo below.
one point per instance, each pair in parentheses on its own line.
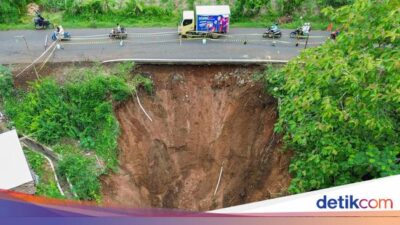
(101,21)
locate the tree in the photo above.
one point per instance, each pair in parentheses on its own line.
(11,10)
(339,104)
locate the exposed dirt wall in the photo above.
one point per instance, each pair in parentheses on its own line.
(204,118)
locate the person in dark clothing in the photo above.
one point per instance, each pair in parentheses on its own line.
(334,34)
(39,19)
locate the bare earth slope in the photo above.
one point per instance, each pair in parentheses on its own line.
(203,118)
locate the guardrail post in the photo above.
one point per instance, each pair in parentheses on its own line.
(305,46)
(273,40)
(45,42)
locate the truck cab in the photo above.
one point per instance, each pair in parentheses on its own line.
(187,24)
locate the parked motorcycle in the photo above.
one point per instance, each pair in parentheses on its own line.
(301,32)
(118,33)
(41,23)
(273,32)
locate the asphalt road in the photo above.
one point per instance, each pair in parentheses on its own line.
(152,44)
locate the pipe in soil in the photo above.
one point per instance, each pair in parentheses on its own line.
(219,178)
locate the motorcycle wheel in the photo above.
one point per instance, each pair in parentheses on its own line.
(292,35)
(279,35)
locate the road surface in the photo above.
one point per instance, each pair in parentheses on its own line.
(152,44)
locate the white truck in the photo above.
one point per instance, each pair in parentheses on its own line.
(206,21)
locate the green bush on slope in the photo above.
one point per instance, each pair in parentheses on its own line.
(339,104)
(79,109)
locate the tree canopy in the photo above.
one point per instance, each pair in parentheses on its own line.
(339,104)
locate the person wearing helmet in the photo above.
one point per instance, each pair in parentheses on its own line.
(274,27)
(58,33)
(306,28)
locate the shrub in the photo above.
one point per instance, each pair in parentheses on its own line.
(46,186)
(81,109)
(141,81)
(11,10)
(6,83)
(155,11)
(339,103)
(82,173)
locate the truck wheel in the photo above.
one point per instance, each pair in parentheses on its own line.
(215,36)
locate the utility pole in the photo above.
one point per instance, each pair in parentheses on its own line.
(30,54)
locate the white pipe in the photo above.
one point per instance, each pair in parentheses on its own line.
(55,175)
(71,187)
(219,179)
(52,168)
(143,108)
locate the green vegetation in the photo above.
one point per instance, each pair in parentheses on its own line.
(47,185)
(11,10)
(79,109)
(6,83)
(96,13)
(339,104)
(166,13)
(318,22)
(81,170)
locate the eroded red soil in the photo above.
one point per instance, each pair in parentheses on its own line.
(204,118)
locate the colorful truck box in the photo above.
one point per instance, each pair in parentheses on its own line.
(212,19)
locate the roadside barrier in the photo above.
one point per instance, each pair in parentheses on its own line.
(237,38)
(37,59)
